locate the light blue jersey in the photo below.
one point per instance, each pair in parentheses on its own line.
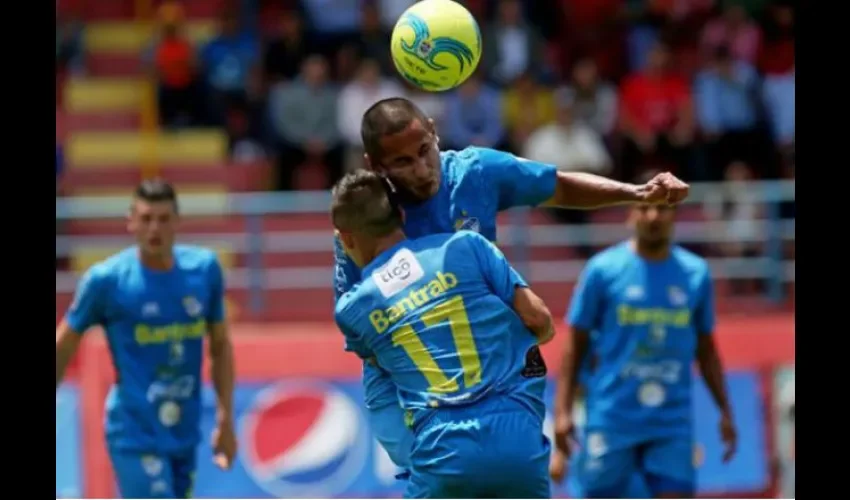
(645,318)
(476,184)
(436,314)
(155,322)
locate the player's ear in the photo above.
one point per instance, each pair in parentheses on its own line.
(367,162)
(432,128)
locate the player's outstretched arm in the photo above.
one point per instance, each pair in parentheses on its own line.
(589,191)
(523,182)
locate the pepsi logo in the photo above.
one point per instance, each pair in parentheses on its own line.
(304,439)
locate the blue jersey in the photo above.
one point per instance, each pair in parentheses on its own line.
(436,314)
(155,322)
(644,317)
(476,184)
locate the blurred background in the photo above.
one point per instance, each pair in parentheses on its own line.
(252,109)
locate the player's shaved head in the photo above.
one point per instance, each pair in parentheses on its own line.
(387,117)
(361,203)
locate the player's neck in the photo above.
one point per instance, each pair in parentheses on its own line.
(650,252)
(157,262)
(389,241)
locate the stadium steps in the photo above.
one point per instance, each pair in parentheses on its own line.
(102,104)
(103,150)
(237,178)
(118,49)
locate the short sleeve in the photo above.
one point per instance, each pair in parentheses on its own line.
(87,308)
(354,340)
(704,314)
(500,276)
(346,272)
(216,312)
(586,304)
(520,182)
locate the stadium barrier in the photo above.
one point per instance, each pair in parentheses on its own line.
(531,242)
(303,433)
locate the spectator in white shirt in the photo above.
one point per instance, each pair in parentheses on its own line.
(569,144)
(572,146)
(367,88)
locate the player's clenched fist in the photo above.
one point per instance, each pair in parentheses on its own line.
(224,445)
(664,188)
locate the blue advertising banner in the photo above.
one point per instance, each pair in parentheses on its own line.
(69,473)
(310,438)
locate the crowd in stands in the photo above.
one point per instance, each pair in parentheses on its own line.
(701,87)
(704,88)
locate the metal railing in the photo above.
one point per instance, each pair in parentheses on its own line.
(517,234)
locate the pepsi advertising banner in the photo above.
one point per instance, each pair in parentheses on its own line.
(69,474)
(310,438)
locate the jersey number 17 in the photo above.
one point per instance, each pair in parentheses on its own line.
(453,312)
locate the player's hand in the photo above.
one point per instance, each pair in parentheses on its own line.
(224,444)
(664,188)
(557,466)
(564,434)
(729,436)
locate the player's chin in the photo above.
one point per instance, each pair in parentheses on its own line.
(425,192)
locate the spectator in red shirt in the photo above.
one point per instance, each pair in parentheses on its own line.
(656,117)
(175,69)
(776,54)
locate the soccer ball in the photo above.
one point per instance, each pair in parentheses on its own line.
(436,45)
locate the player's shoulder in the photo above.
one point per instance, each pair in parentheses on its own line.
(611,258)
(194,256)
(115,263)
(689,260)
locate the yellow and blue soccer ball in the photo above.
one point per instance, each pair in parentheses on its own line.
(436,45)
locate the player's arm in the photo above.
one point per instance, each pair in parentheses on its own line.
(522,182)
(86,311)
(220,346)
(708,359)
(509,286)
(355,340)
(582,317)
(346,272)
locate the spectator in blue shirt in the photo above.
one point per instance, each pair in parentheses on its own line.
(727,110)
(230,68)
(474,117)
(779,95)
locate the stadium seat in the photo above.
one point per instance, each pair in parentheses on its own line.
(108,149)
(134,37)
(104,94)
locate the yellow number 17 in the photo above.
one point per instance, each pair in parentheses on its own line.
(452,311)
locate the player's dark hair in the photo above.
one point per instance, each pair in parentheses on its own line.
(365,202)
(156,190)
(387,117)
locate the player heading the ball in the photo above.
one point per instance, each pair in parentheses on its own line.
(457,330)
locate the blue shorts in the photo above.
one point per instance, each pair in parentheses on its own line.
(145,475)
(493,449)
(608,464)
(387,423)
